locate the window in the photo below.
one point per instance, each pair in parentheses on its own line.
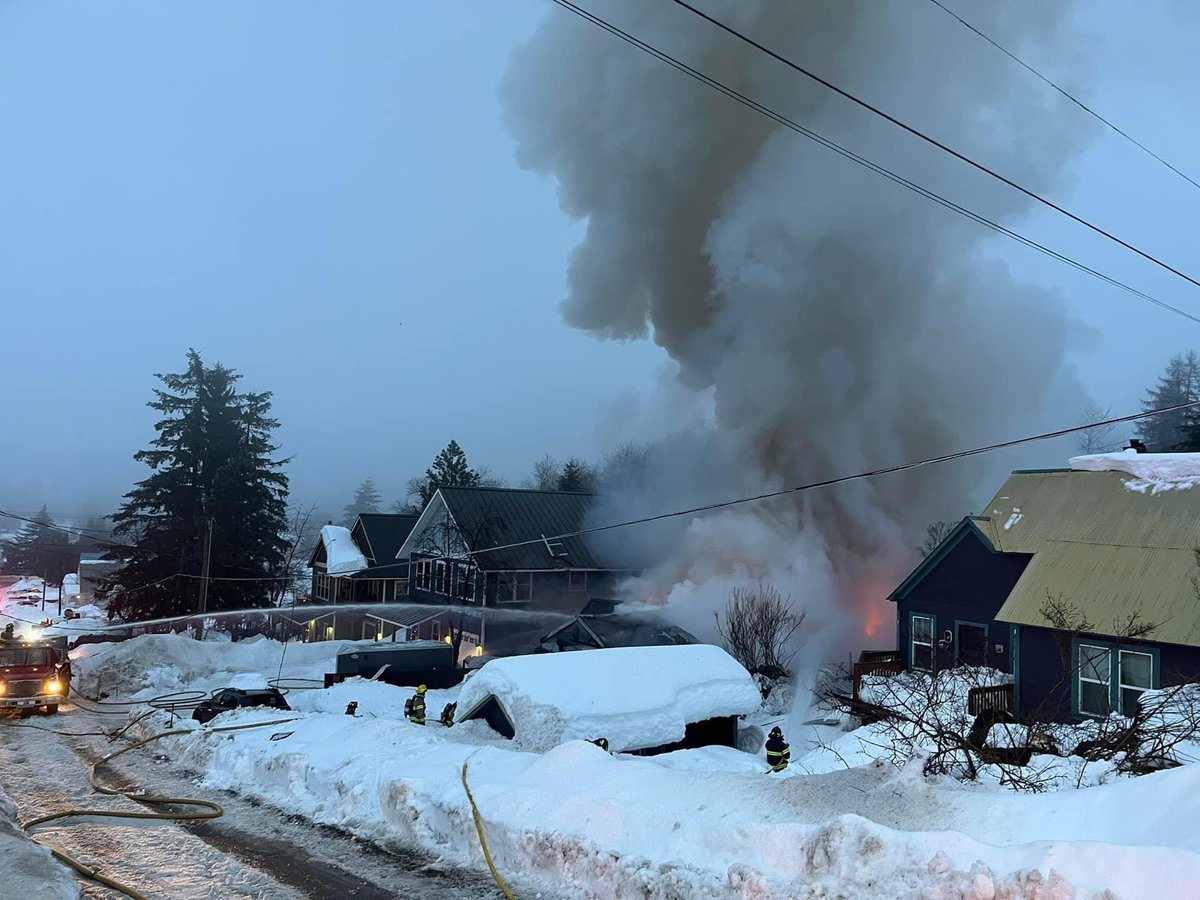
(435,631)
(464,587)
(321,586)
(439,578)
(577,580)
(921,639)
(513,587)
(423,567)
(1136,677)
(1095,675)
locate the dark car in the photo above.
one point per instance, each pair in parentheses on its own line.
(238,698)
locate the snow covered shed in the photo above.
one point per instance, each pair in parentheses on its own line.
(641,699)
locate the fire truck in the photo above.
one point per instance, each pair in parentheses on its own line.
(33,675)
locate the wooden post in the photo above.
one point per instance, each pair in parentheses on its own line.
(203,603)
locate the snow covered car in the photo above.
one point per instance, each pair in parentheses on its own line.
(238,698)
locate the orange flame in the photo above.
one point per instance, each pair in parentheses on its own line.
(874,620)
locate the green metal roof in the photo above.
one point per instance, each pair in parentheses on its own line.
(1109,549)
(508,515)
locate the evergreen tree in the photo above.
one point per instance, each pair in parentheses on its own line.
(366,500)
(41,550)
(577,476)
(212,462)
(1180,383)
(449,469)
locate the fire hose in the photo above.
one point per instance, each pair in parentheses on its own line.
(203,809)
(487,854)
(206,809)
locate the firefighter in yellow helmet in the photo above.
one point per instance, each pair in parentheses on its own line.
(415,707)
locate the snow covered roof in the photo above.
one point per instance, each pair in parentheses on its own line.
(636,697)
(1159,471)
(342,555)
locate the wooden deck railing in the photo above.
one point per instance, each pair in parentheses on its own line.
(997,698)
(875,662)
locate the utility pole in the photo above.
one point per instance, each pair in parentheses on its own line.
(202,607)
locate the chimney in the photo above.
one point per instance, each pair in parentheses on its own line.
(1136,446)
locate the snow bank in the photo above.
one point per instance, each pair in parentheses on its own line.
(584,823)
(27,869)
(1158,471)
(342,554)
(634,696)
(155,664)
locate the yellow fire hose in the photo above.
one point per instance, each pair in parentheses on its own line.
(206,808)
(487,854)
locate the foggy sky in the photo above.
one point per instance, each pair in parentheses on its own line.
(322,197)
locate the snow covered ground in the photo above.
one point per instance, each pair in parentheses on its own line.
(22,862)
(698,823)
(21,604)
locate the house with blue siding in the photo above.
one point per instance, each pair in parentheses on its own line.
(1080,583)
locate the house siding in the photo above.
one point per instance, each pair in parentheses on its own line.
(968,584)
(1045,684)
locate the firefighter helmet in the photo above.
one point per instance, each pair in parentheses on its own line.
(421,689)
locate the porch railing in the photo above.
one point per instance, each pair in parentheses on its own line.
(996,698)
(875,662)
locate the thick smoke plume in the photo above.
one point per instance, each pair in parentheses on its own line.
(832,321)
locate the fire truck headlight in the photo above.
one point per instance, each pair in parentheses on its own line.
(54,686)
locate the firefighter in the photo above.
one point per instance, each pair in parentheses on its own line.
(448,714)
(415,707)
(64,675)
(778,751)
(602,743)
(8,634)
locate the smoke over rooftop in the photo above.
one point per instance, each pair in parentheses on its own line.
(832,321)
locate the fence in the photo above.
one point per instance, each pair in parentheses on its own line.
(875,662)
(997,698)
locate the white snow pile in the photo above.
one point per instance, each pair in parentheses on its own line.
(579,822)
(635,697)
(342,555)
(154,664)
(27,868)
(1154,472)
(70,585)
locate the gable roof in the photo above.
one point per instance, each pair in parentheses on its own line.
(383,534)
(336,548)
(979,526)
(491,517)
(1108,542)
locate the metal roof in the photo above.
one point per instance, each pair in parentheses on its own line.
(385,534)
(1110,549)
(406,617)
(490,517)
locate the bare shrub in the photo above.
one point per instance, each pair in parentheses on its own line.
(758,628)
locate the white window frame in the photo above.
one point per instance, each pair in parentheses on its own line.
(435,630)
(913,643)
(1081,680)
(1122,687)
(441,574)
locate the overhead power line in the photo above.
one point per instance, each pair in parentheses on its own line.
(755,498)
(82,532)
(865,162)
(1087,109)
(844,479)
(932,141)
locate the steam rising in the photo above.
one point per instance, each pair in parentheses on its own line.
(833,321)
